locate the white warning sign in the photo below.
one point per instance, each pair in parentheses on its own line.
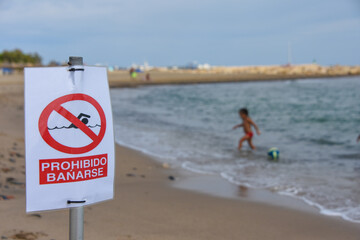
(69,138)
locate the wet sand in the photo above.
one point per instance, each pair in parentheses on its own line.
(146,204)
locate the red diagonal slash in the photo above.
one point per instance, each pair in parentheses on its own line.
(74,120)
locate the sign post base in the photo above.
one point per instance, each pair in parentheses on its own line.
(76,223)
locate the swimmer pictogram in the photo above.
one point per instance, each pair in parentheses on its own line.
(83,117)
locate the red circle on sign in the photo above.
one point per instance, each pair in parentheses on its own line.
(56,106)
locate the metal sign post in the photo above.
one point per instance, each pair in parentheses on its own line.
(76,219)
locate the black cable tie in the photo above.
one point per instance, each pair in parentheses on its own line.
(76,69)
(70,202)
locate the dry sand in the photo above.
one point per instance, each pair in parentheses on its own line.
(146,206)
(122,78)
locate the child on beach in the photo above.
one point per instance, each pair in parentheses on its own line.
(246,124)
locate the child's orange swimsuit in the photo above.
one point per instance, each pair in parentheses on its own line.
(250,134)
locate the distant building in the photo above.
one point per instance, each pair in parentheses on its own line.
(195,65)
(142,68)
(204,66)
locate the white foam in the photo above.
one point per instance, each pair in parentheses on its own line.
(321,208)
(142,150)
(186,166)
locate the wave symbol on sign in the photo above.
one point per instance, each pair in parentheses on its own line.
(83,117)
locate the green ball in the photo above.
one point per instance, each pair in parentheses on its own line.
(274,153)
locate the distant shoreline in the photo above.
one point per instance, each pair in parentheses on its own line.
(116,80)
(229,74)
(164,76)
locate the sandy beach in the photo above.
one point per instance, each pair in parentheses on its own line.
(146,203)
(229,74)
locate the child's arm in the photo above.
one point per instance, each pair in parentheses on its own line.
(237,126)
(255,126)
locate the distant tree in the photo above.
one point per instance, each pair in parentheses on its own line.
(17,56)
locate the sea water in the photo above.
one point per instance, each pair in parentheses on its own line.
(314,123)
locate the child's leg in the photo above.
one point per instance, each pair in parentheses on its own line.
(242,140)
(251,144)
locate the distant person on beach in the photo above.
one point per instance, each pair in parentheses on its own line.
(246,124)
(131,70)
(133,73)
(358,139)
(146,77)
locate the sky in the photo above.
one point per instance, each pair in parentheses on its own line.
(177,32)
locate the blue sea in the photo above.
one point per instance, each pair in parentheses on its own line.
(314,123)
